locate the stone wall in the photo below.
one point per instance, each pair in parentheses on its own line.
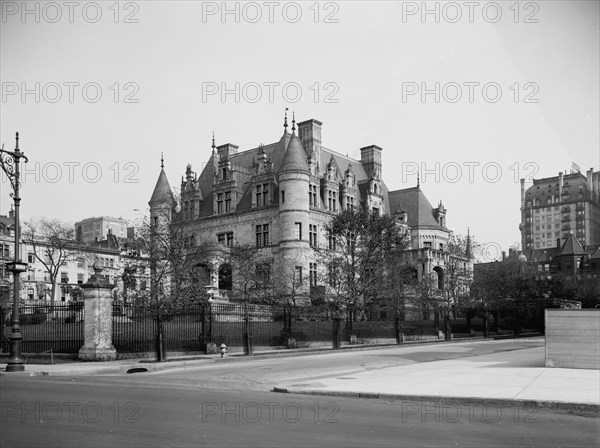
(573,338)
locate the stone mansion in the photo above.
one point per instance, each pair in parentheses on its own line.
(280,197)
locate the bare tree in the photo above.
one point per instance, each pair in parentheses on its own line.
(52,242)
(355,267)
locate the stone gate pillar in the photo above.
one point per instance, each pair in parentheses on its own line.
(97,294)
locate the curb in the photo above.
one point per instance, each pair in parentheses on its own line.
(581,409)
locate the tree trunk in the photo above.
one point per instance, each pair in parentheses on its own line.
(447,327)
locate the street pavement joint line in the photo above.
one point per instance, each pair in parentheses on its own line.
(528,384)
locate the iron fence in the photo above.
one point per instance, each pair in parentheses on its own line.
(59,328)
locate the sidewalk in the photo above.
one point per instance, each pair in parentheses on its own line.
(501,379)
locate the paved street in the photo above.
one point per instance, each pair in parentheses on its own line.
(231,403)
(94,411)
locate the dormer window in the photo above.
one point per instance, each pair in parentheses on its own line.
(262,195)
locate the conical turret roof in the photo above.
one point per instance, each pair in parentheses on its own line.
(162,190)
(295,157)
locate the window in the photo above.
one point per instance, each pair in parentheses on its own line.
(5,251)
(376,211)
(298,275)
(331,241)
(79,279)
(332,200)
(226,239)
(298,231)
(282,196)
(313,274)
(332,277)
(30,258)
(312,196)
(227,202)
(262,195)
(219,203)
(80,262)
(312,235)
(64,278)
(224,173)
(262,235)
(427,244)
(349,203)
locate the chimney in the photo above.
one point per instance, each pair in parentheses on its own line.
(309,132)
(503,255)
(558,243)
(590,175)
(370,157)
(226,150)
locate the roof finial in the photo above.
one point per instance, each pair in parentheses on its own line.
(17,139)
(285,125)
(294,122)
(162,160)
(213,141)
(418,180)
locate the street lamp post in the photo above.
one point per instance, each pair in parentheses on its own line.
(9,161)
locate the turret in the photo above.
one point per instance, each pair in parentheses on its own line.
(293,181)
(162,202)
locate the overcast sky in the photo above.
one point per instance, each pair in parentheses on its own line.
(475,97)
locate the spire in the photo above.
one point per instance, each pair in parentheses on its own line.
(285,125)
(162,160)
(418,180)
(293,122)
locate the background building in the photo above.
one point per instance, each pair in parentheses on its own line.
(554,207)
(95,229)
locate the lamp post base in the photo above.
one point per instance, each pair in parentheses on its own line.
(15,362)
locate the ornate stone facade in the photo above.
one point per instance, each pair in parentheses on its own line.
(280,197)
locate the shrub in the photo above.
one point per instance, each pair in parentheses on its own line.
(32,319)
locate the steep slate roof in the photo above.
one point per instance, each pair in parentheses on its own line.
(162,190)
(360,175)
(571,247)
(596,254)
(418,208)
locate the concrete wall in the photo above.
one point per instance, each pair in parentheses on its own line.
(573,338)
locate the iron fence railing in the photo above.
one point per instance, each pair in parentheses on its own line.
(60,328)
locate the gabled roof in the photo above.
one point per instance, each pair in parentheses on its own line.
(418,208)
(571,247)
(162,190)
(596,254)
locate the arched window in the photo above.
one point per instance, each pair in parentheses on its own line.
(440,277)
(225,279)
